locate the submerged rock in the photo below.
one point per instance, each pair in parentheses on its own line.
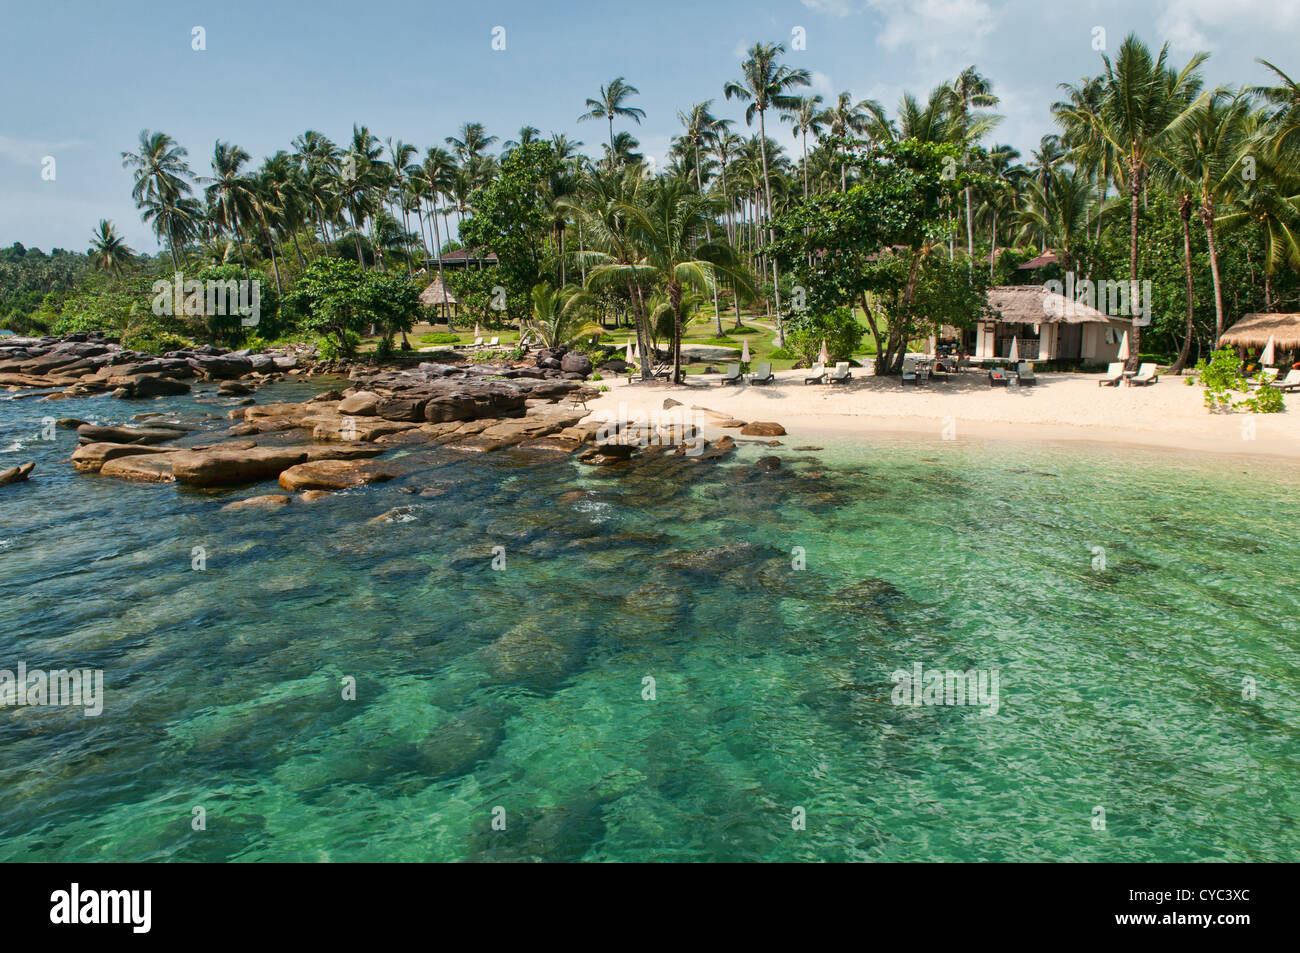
(17,474)
(218,467)
(762,428)
(332,475)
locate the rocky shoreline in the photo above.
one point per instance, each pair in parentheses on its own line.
(334,441)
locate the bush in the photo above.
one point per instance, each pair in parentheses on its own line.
(329,350)
(805,332)
(1221,376)
(440,337)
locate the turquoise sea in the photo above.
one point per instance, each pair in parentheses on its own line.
(1140,608)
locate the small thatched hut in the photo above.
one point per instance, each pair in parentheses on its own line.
(1254,330)
(1046,325)
(438,295)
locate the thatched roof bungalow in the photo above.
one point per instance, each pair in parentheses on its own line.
(1046,326)
(1254,330)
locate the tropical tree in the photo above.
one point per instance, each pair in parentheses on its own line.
(611,102)
(806,116)
(108,250)
(162,188)
(559,315)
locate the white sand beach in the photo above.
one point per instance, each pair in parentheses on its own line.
(1169,414)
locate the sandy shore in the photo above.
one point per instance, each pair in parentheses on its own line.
(1061,407)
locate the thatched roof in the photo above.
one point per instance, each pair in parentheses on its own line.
(1034,304)
(437,293)
(1254,330)
(1042,261)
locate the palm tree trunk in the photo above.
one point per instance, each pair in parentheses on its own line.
(970,229)
(1207,217)
(1135,189)
(1185,213)
(993,256)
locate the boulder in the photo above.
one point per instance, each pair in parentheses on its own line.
(333,475)
(220,467)
(148,385)
(576,363)
(266,501)
(91,457)
(145,468)
(92,433)
(360,404)
(761,428)
(16,474)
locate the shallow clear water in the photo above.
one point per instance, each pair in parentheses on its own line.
(521,690)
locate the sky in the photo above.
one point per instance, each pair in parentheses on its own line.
(82,79)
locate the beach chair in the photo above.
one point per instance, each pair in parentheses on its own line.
(999,377)
(909,372)
(1146,375)
(1114,374)
(1025,372)
(816,374)
(478,342)
(733,375)
(495,342)
(764,374)
(1289,383)
(841,374)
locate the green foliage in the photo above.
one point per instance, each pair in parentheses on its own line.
(329,348)
(804,333)
(1221,377)
(339,300)
(440,337)
(509,216)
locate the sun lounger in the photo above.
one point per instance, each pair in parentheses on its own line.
(1289,383)
(909,372)
(998,376)
(733,375)
(764,374)
(1146,375)
(1113,376)
(841,373)
(1025,372)
(495,342)
(478,342)
(816,374)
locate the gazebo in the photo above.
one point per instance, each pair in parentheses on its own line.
(438,294)
(1046,326)
(1254,330)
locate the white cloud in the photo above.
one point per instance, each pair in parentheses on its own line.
(821,83)
(832,8)
(934,29)
(32,151)
(1200,24)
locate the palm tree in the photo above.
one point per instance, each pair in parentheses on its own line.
(764,85)
(108,249)
(972,91)
(1200,167)
(559,314)
(1142,97)
(469,149)
(1270,202)
(667,233)
(847,121)
(610,103)
(162,187)
(1054,216)
(230,193)
(806,116)
(1283,131)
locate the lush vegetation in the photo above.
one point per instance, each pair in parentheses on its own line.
(894,223)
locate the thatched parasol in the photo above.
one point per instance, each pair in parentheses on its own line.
(436,294)
(1255,330)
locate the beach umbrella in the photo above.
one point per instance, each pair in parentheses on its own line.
(744,352)
(1015,350)
(628,353)
(1123,349)
(823,357)
(1266,359)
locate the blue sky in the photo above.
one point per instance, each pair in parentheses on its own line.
(81,79)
